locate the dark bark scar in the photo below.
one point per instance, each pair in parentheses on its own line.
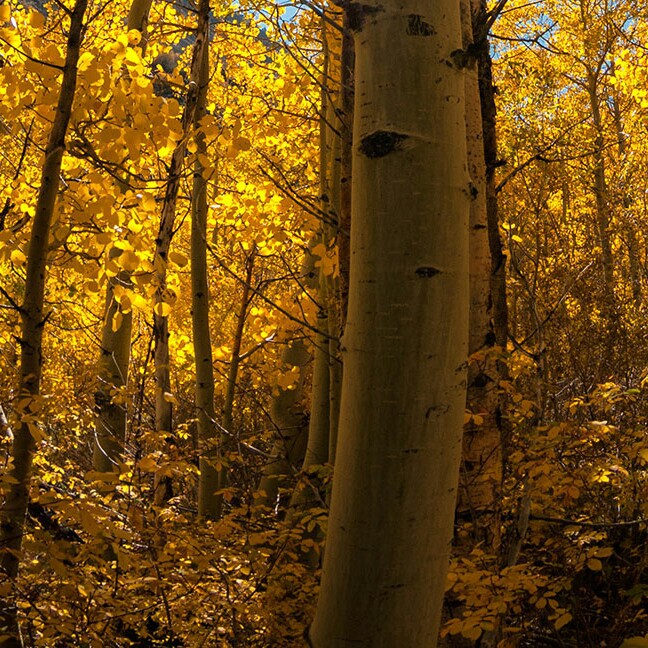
(416,26)
(381,143)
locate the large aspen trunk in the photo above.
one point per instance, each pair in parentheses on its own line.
(403,392)
(12,514)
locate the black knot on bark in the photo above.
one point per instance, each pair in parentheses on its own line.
(381,143)
(416,26)
(427,271)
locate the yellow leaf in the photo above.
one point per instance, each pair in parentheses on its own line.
(147,464)
(562,620)
(132,57)
(138,301)
(178,258)
(18,257)
(595,564)
(36,19)
(162,309)
(94,475)
(242,144)
(473,633)
(36,432)
(128,260)
(134,37)
(635,642)
(116,321)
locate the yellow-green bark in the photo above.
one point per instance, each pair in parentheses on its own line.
(405,341)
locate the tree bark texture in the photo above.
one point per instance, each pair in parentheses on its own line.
(112,375)
(405,342)
(481,466)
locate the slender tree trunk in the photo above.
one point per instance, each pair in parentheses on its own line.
(229,438)
(5,429)
(320,417)
(163,298)
(138,19)
(403,393)
(602,203)
(289,419)
(209,502)
(345,114)
(498,292)
(114,357)
(627,201)
(481,474)
(12,514)
(112,374)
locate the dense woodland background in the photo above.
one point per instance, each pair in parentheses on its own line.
(182,499)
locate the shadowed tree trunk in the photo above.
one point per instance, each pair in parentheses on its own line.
(405,342)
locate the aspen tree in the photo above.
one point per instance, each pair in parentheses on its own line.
(209,502)
(481,467)
(342,189)
(319,426)
(405,341)
(114,356)
(12,514)
(163,297)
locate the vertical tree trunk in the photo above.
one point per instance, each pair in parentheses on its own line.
(481,473)
(228,437)
(319,426)
(289,419)
(345,113)
(209,502)
(602,203)
(12,515)
(403,393)
(489,127)
(112,374)
(114,357)
(627,201)
(163,300)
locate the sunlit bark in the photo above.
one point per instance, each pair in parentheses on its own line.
(164,298)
